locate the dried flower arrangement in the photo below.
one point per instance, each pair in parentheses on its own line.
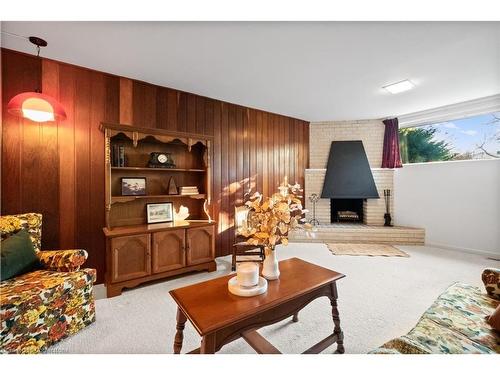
(271,219)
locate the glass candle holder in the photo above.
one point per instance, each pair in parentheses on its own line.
(247,274)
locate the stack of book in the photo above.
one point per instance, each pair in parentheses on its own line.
(188,190)
(118,156)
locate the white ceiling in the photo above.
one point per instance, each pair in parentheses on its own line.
(315,71)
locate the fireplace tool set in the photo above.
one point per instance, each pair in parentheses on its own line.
(387,215)
(313,198)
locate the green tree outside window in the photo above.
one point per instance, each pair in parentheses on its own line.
(417,146)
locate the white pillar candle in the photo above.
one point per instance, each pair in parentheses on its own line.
(247,274)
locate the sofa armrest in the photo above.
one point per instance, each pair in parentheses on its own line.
(491,280)
(62,260)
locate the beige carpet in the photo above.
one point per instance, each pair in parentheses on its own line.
(379,299)
(366,249)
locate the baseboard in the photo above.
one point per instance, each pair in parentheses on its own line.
(495,256)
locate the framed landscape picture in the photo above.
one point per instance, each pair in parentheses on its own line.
(160,212)
(133,185)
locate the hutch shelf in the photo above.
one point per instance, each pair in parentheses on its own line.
(138,252)
(115,199)
(147,169)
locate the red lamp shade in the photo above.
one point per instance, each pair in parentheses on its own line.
(36,107)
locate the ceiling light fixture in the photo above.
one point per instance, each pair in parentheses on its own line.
(401,86)
(34,105)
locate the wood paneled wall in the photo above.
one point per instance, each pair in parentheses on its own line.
(58,168)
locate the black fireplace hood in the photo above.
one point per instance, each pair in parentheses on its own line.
(348,173)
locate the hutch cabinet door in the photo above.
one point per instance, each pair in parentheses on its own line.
(168,250)
(200,245)
(130,257)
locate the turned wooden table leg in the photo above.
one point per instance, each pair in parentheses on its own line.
(336,321)
(295,317)
(179,335)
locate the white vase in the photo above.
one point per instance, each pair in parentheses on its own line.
(270,268)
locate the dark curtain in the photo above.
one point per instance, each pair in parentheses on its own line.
(390,156)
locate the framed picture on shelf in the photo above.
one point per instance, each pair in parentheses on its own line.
(133,185)
(160,212)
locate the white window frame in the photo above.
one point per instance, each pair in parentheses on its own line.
(451,112)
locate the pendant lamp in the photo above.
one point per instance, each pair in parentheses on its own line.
(35,105)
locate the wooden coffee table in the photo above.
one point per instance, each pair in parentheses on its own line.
(221,317)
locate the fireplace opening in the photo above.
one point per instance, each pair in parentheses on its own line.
(346,210)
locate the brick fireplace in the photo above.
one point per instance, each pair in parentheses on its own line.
(371,133)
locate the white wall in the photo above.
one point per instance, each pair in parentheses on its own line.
(458,203)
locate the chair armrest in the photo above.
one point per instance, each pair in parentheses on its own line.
(62,260)
(491,280)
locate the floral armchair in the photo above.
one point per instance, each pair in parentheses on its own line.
(42,307)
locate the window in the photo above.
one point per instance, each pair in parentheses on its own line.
(470,138)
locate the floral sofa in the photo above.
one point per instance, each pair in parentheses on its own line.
(42,307)
(455,323)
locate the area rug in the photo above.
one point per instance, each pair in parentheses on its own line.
(366,249)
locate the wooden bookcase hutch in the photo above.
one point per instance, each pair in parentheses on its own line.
(137,252)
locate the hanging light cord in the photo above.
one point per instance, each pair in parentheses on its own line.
(37,89)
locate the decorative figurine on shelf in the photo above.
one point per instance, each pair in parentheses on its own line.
(181,214)
(161,160)
(172,187)
(313,198)
(387,215)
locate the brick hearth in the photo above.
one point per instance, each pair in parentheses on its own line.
(361,233)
